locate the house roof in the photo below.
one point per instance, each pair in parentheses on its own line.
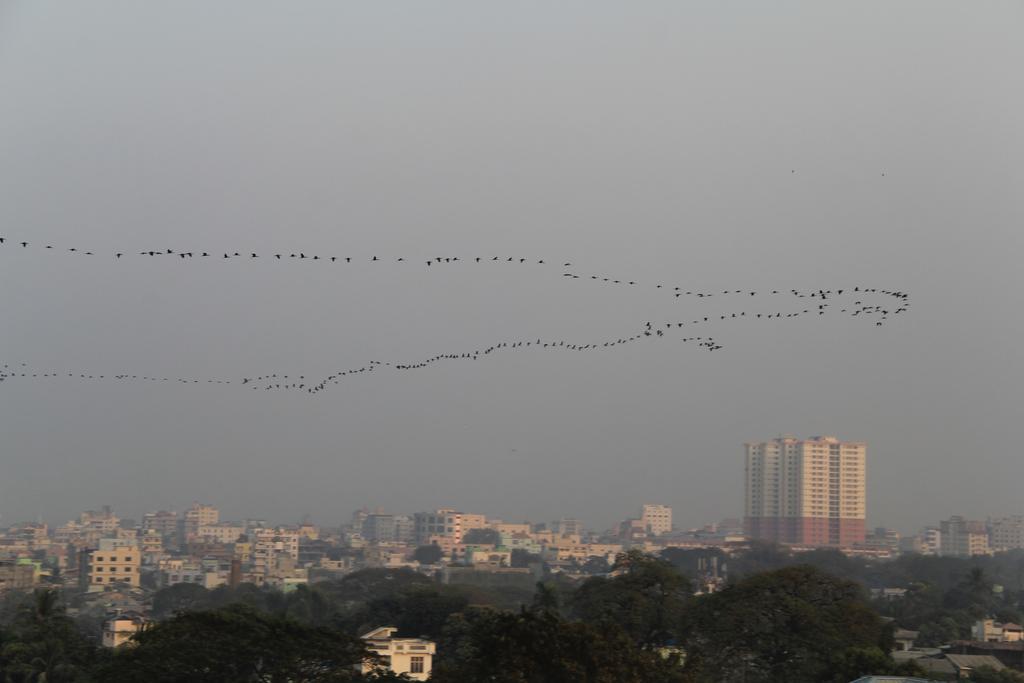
(379,633)
(936,665)
(975,661)
(982,645)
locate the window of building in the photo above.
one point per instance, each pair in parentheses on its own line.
(416,665)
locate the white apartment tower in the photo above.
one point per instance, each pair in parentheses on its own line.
(806,492)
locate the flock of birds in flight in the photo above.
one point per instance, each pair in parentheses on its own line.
(808,303)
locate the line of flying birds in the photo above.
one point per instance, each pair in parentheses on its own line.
(819,302)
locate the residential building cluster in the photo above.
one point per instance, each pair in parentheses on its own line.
(116,565)
(803,493)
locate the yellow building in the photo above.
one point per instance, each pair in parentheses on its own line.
(116,561)
(120,629)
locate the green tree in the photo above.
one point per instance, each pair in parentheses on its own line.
(236,644)
(646,598)
(792,624)
(179,598)
(428,554)
(43,645)
(416,611)
(541,647)
(523,558)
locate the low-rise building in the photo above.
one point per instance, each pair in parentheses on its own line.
(119,629)
(992,631)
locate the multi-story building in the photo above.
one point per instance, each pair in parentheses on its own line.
(445,523)
(219,533)
(632,531)
(1006,533)
(115,561)
(882,539)
(657,519)
(162,522)
(806,492)
(410,656)
(931,541)
(379,526)
(992,631)
(568,526)
(198,516)
(103,521)
(268,544)
(964,538)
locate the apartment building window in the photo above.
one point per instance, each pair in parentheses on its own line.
(416,665)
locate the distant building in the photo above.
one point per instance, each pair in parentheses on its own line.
(445,523)
(1006,533)
(198,516)
(806,492)
(632,531)
(883,539)
(657,519)
(219,533)
(963,538)
(927,542)
(411,656)
(991,631)
(116,561)
(119,630)
(568,526)
(386,528)
(17,576)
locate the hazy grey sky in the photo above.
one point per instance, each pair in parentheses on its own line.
(649,140)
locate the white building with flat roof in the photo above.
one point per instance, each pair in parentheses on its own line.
(413,657)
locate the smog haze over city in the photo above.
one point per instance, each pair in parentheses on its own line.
(713,147)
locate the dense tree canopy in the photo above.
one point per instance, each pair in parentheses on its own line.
(646,599)
(428,554)
(237,645)
(43,644)
(538,646)
(793,624)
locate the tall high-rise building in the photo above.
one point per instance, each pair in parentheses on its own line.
(806,492)
(657,519)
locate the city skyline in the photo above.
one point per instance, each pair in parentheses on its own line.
(692,145)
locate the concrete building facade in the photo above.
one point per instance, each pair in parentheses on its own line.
(657,519)
(413,657)
(115,561)
(806,492)
(964,538)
